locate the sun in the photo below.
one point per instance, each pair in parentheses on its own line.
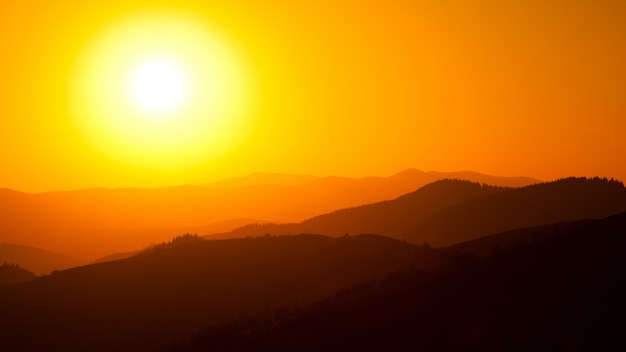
(163,89)
(158,87)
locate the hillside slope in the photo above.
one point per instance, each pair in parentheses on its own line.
(452,211)
(167,292)
(560,289)
(544,203)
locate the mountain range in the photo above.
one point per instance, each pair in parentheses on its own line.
(554,288)
(464,255)
(37,260)
(541,288)
(452,211)
(92,223)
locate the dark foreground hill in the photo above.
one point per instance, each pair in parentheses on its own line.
(453,211)
(555,288)
(165,293)
(11,274)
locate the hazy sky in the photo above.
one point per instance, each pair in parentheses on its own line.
(355,88)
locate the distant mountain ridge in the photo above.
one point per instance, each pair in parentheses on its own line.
(385,217)
(453,211)
(95,222)
(34,259)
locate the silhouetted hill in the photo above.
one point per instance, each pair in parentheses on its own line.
(453,211)
(34,259)
(219,226)
(544,203)
(403,177)
(96,222)
(432,176)
(169,291)
(13,274)
(560,289)
(390,218)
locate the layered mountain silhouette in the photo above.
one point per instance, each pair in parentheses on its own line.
(165,293)
(96,222)
(35,259)
(452,211)
(554,288)
(453,265)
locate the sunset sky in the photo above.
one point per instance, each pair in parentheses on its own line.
(354,88)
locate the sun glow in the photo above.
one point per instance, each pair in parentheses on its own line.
(163,90)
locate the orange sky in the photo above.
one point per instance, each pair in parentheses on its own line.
(355,88)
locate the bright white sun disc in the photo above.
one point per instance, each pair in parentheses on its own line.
(158,86)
